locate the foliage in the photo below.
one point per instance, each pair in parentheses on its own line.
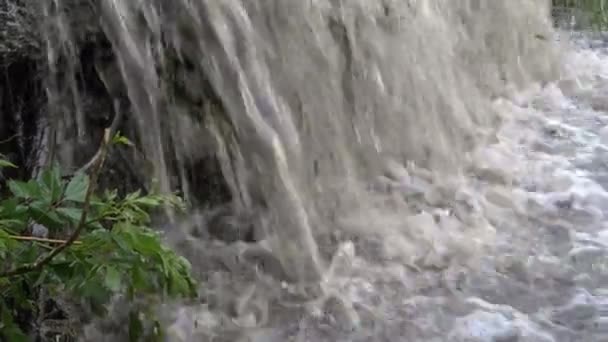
(596,10)
(116,253)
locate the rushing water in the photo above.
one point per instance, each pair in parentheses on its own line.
(420,170)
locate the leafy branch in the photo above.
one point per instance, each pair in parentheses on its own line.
(83,217)
(111,251)
(37,239)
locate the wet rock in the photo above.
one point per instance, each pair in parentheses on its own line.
(340,314)
(39,231)
(569,87)
(494,322)
(514,267)
(266,262)
(554,130)
(494,164)
(228,227)
(415,186)
(558,237)
(397,172)
(564,203)
(189,321)
(384,185)
(249,309)
(481,326)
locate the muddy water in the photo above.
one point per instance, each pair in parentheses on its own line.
(477,208)
(541,186)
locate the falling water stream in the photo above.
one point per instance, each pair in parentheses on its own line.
(417,170)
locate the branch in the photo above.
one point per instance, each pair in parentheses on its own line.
(36,239)
(110,131)
(9,139)
(42,261)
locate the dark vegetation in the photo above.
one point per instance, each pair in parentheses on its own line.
(588,13)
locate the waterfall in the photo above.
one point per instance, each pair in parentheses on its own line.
(318,96)
(329,120)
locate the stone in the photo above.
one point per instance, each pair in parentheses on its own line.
(503,319)
(340,313)
(226,226)
(397,172)
(266,262)
(39,231)
(482,326)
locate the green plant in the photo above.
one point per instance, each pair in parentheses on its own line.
(595,10)
(97,245)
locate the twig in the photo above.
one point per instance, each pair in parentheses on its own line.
(9,139)
(111,131)
(42,261)
(36,239)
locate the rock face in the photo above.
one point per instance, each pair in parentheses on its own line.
(19,34)
(69,93)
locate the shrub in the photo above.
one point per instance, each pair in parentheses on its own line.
(57,234)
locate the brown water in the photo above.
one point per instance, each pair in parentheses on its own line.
(377,142)
(321,95)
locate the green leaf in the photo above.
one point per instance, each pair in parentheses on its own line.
(110,195)
(148,201)
(77,188)
(73,214)
(132,196)
(62,270)
(52,183)
(12,333)
(113,279)
(95,225)
(96,293)
(41,278)
(24,190)
(120,139)
(120,241)
(13,225)
(42,213)
(12,208)
(145,244)
(165,263)
(6,163)
(5,242)
(138,278)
